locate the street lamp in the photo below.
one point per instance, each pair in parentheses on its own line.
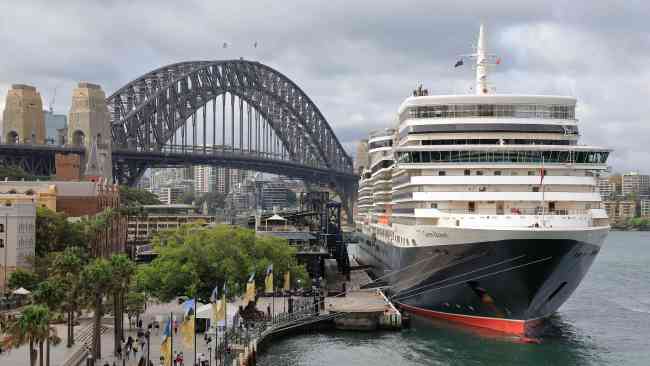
(148,336)
(209,356)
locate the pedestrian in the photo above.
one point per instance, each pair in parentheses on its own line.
(142,343)
(139,323)
(135,351)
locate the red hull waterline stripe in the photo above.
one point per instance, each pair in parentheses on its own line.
(510,326)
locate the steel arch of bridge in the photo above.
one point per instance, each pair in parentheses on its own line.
(148,113)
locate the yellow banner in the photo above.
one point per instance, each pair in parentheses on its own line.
(250,293)
(268,282)
(187,332)
(219,310)
(287,281)
(166,351)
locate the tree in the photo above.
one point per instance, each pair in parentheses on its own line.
(214,200)
(49,293)
(122,269)
(96,282)
(23,278)
(137,197)
(17,173)
(66,268)
(135,303)
(31,327)
(193,259)
(54,232)
(188,198)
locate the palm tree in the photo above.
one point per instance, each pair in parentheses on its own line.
(97,282)
(66,266)
(31,327)
(50,293)
(123,270)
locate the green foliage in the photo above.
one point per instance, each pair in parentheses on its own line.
(193,259)
(136,197)
(54,233)
(640,222)
(135,303)
(31,327)
(16,173)
(188,198)
(50,293)
(23,278)
(214,200)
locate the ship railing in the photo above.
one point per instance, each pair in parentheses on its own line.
(519,211)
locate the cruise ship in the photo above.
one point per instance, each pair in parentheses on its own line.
(482,208)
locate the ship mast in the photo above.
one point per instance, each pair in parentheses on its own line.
(481,63)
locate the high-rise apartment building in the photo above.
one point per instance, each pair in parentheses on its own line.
(204,179)
(635,183)
(644,208)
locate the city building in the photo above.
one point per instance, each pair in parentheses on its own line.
(636,184)
(170,195)
(17,234)
(644,208)
(607,188)
(23,118)
(141,228)
(54,124)
(620,211)
(204,179)
(361,160)
(76,200)
(274,195)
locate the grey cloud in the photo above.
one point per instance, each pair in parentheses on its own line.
(356,59)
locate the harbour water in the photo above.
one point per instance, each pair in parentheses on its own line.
(605,322)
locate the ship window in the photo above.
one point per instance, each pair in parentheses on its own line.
(497,172)
(442,173)
(535,189)
(479,172)
(467,172)
(531,172)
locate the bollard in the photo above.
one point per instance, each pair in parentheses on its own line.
(90,361)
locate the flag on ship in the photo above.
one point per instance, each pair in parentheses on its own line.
(268,281)
(459,63)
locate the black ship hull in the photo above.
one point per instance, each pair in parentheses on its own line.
(506,285)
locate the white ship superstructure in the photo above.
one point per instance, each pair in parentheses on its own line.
(482,175)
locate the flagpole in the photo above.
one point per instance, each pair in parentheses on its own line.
(543,198)
(171,340)
(194,330)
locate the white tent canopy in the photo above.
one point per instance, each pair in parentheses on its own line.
(21,291)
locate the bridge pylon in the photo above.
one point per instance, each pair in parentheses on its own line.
(89,127)
(23,117)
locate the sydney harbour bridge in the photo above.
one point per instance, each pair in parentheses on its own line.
(233,114)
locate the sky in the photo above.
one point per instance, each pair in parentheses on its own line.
(356,59)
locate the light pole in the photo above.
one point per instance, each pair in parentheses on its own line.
(5,247)
(209,356)
(148,335)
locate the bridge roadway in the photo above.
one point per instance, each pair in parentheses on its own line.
(180,155)
(39,160)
